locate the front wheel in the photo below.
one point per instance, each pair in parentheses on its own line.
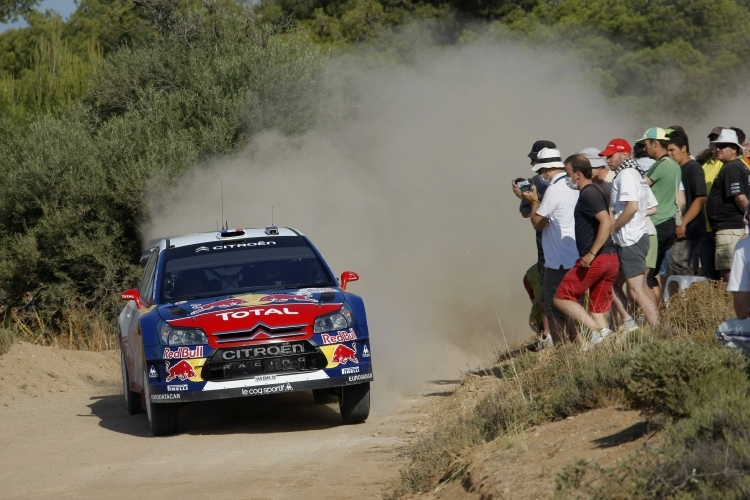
(355,402)
(162,417)
(132,398)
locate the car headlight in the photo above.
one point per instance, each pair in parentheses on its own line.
(170,335)
(335,321)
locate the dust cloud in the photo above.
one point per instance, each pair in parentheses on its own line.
(413,193)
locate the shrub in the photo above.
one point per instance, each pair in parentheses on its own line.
(676,377)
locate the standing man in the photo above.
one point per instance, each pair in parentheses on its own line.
(711,166)
(689,234)
(597,266)
(553,216)
(525,209)
(629,202)
(727,200)
(664,179)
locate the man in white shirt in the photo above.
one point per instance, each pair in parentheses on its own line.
(554,216)
(630,202)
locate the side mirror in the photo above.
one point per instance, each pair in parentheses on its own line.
(132,294)
(348,276)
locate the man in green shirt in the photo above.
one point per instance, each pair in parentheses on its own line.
(664,179)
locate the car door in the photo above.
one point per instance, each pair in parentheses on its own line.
(134,342)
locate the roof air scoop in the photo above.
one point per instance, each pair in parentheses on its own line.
(231,233)
(272,231)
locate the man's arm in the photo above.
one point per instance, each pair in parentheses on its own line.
(741,201)
(631,208)
(602,235)
(532,198)
(696,207)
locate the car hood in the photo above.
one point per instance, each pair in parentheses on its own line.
(273,313)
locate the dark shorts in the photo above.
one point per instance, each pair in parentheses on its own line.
(665,236)
(633,258)
(681,257)
(598,278)
(552,280)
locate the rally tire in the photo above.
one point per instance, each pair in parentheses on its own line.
(324,396)
(355,402)
(162,417)
(132,398)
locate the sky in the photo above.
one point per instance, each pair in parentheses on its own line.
(64,7)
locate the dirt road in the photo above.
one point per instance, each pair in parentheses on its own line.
(64,433)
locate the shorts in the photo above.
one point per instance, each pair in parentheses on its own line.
(665,233)
(633,258)
(653,244)
(739,278)
(552,279)
(598,278)
(726,239)
(681,257)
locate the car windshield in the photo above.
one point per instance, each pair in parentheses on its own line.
(239,266)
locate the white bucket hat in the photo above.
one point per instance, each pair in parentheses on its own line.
(594,157)
(548,158)
(727,136)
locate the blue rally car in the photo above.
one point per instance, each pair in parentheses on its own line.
(240,313)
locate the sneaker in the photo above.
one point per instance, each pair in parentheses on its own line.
(629,326)
(598,336)
(544,343)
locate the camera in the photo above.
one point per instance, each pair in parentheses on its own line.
(523,184)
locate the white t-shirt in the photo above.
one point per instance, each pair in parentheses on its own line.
(559,236)
(629,185)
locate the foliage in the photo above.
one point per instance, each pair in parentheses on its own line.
(72,193)
(676,377)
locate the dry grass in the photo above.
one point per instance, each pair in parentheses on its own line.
(77,328)
(551,385)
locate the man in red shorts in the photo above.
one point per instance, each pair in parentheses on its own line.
(598,264)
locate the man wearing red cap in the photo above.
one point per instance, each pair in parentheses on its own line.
(629,202)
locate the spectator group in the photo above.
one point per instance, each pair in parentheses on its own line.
(613,225)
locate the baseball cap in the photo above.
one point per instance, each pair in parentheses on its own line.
(715,131)
(616,146)
(654,134)
(548,158)
(538,145)
(594,157)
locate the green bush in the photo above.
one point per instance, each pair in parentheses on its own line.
(676,377)
(72,197)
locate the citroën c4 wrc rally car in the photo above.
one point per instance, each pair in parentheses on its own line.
(241,313)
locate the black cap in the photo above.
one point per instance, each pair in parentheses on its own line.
(538,146)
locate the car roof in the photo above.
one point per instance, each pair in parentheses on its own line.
(214,236)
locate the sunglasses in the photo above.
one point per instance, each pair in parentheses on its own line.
(724,146)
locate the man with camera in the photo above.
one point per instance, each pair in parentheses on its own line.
(525,209)
(553,216)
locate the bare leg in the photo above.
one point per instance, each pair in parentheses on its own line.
(741,304)
(636,286)
(725,274)
(545,320)
(619,300)
(602,319)
(577,313)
